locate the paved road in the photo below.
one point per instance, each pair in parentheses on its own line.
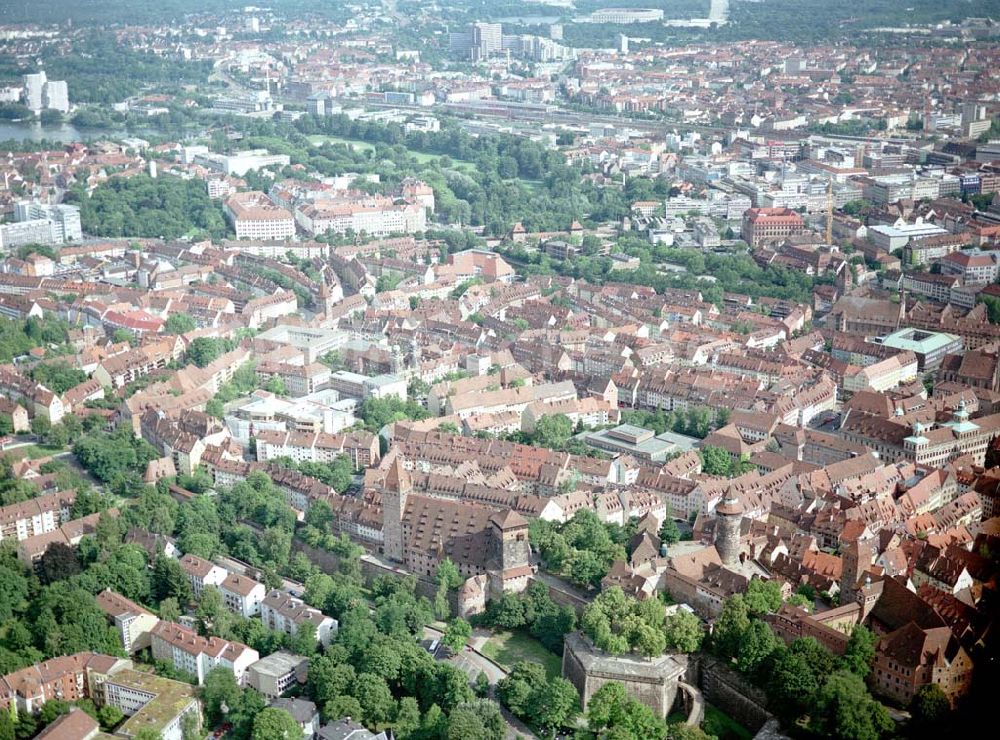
(473,662)
(236,566)
(558,584)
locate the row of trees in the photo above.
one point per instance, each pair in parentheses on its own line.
(582,549)
(805,683)
(376,672)
(728,272)
(534,611)
(549,704)
(555,432)
(696,421)
(620,624)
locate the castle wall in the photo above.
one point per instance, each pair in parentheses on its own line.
(733,694)
(653,687)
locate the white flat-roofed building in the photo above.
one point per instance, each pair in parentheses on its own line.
(896,236)
(34,87)
(55,96)
(149,701)
(18,234)
(242,162)
(626,16)
(323,411)
(313,341)
(274,674)
(353,385)
(64,220)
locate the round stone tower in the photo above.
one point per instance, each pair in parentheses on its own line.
(729,515)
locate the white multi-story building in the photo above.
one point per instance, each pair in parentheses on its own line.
(273,674)
(34,89)
(25,232)
(202,573)
(353,385)
(299,446)
(283,612)
(150,702)
(188,651)
(41,93)
(254,216)
(299,380)
(370,215)
(625,16)
(36,516)
(133,622)
(64,220)
(242,595)
(895,236)
(55,96)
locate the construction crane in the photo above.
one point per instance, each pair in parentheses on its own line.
(829,211)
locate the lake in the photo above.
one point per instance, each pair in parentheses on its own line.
(64,132)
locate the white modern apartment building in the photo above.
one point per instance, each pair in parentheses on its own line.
(188,651)
(64,220)
(375,216)
(283,612)
(242,595)
(36,516)
(55,96)
(41,93)
(202,573)
(17,235)
(254,216)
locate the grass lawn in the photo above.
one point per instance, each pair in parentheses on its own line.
(507,648)
(33,451)
(364,146)
(320,139)
(723,726)
(456,164)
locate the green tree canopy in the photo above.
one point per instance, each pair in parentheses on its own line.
(179,323)
(275,724)
(612,713)
(619,624)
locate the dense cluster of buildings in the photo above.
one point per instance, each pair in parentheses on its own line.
(860,420)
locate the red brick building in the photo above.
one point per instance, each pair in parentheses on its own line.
(762,225)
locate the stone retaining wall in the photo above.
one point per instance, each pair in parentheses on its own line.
(733,694)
